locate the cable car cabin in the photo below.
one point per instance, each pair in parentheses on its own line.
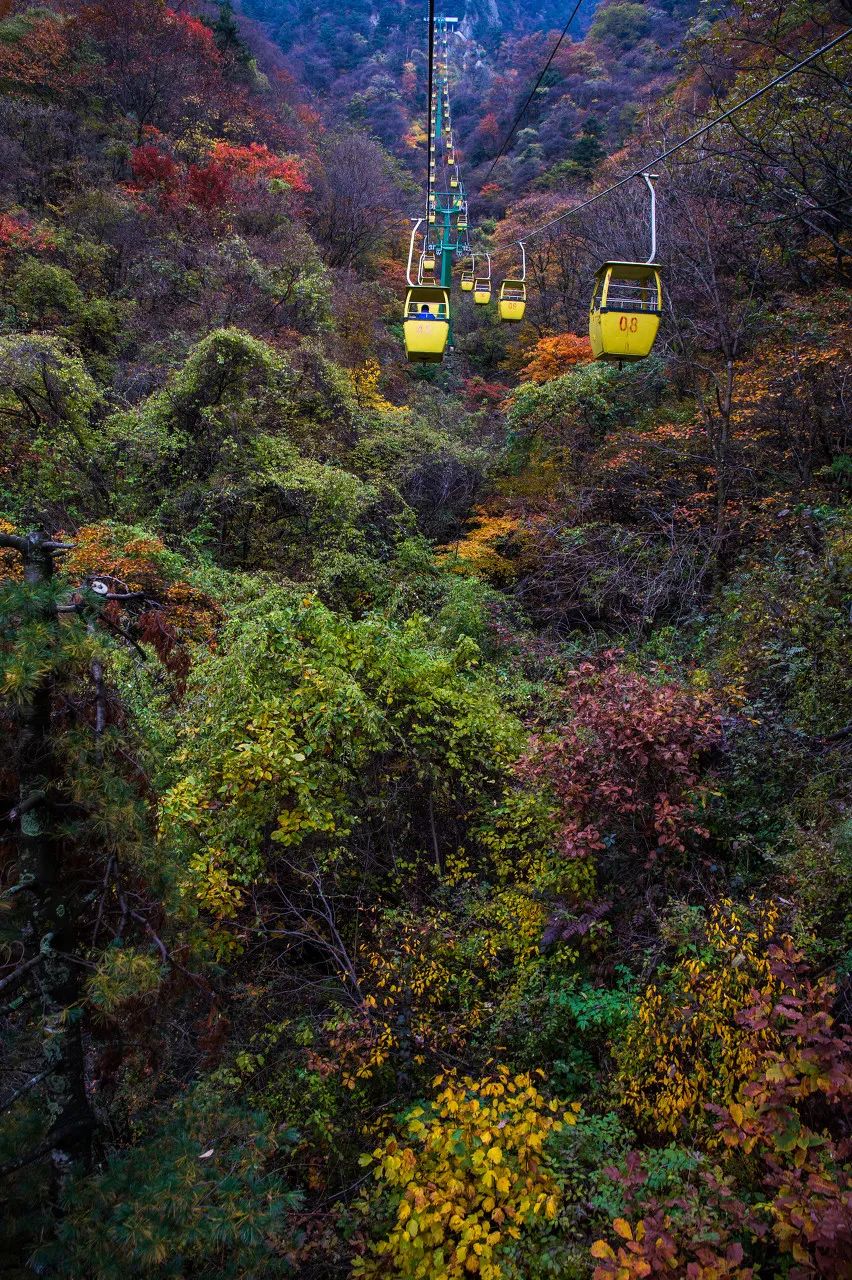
(467,281)
(462,224)
(429,262)
(482,292)
(625,313)
(513,300)
(454,182)
(426,323)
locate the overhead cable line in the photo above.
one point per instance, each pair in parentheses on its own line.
(533,91)
(431,21)
(697,133)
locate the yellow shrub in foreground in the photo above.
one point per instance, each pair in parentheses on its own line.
(686,1047)
(466,1176)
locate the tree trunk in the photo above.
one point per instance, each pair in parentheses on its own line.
(49,900)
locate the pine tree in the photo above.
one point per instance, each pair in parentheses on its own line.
(35,647)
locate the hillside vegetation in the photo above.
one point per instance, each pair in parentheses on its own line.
(425,821)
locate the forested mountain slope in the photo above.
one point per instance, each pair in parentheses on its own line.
(369,66)
(425,807)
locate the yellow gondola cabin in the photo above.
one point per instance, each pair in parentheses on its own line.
(426,323)
(513,300)
(482,292)
(625,313)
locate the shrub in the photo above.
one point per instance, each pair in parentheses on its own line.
(626,762)
(468,1176)
(685,1047)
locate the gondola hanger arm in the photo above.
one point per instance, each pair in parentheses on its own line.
(650,179)
(414,231)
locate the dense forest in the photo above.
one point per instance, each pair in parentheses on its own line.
(425,823)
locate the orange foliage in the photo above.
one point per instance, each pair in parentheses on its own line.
(10,561)
(489,127)
(409,79)
(309,118)
(17,235)
(256,161)
(139,564)
(479,552)
(551,357)
(40,61)
(134,563)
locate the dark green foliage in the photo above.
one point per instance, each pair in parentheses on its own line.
(43,296)
(586,151)
(622,24)
(48,405)
(198,1196)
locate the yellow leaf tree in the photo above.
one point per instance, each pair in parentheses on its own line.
(685,1047)
(466,1177)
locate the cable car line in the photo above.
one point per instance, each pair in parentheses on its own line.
(427,314)
(431,64)
(533,91)
(697,133)
(627,301)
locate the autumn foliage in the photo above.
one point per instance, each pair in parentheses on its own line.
(688,1047)
(17,236)
(551,357)
(468,1175)
(229,177)
(425,831)
(626,761)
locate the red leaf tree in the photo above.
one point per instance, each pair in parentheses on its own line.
(626,764)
